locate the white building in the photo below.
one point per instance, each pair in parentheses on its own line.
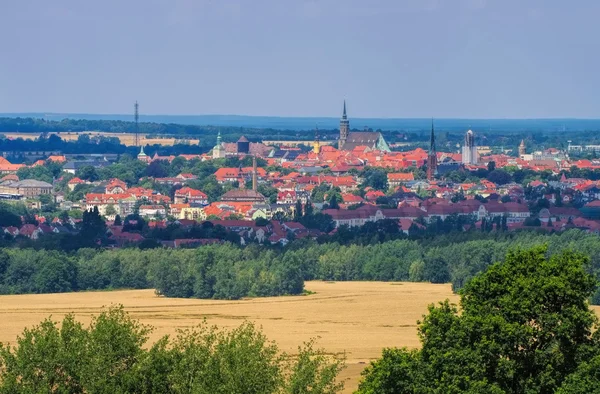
(469,149)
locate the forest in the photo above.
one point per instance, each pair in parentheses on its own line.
(228,271)
(506,135)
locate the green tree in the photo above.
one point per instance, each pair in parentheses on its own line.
(298,211)
(333,202)
(87,173)
(524,327)
(109,356)
(110,210)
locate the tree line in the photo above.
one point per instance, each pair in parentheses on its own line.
(228,271)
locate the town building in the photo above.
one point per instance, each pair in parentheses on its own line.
(469,149)
(189,195)
(27,188)
(522,149)
(349,140)
(143,157)
(152,211)
(218,151)
(6,167)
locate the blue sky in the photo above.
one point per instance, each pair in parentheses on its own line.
(388,58)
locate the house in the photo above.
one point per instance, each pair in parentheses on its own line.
(192,196)
(72,184)
(373,195)
(371,213)
(121,204)
(591,193)
(27,188)
(351,199)
(152,211)
(30,231)
(115,186)
(14,231)
(292,196)
(590,226)
(228,175)
(175,209)
(191,213)
(6,167)
(243,195)
(186,177)
(514,212)
(398,178)
(57,158)
(558,214)
(125,238)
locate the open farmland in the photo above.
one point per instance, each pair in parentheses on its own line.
(127,139)
(358,318)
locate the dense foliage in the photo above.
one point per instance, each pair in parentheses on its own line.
(223,271)
(110,356)
(524,326)
(412,132)
(228,271)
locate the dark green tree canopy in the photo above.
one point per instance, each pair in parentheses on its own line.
(109,357)
(524,327)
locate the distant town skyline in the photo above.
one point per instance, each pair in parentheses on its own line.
(388,59)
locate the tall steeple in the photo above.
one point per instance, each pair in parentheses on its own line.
(432,156)
(254,173)
(522,148)
(344,128)
(432,139)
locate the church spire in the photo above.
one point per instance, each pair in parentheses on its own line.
(432,139)
(344,128)
(432,156)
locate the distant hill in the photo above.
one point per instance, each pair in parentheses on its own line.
(295,123)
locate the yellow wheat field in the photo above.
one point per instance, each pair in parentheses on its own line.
(355,318)
(127,139)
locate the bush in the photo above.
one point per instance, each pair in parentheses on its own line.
(109,356)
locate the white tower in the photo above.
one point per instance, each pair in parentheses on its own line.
(469,149)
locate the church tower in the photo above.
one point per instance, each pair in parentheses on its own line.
(317,143)
(254,173)
(431,157)
(344,128)
(522,148)
(218,151)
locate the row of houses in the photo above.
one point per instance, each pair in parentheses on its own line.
(514,212)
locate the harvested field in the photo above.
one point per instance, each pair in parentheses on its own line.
(358,318)
(125,138)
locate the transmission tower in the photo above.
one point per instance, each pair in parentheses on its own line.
(136,115)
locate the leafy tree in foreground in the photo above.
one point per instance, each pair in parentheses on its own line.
(110,357)
(525,327)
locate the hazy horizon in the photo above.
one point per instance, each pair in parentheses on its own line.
(72,115)
(463,59)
